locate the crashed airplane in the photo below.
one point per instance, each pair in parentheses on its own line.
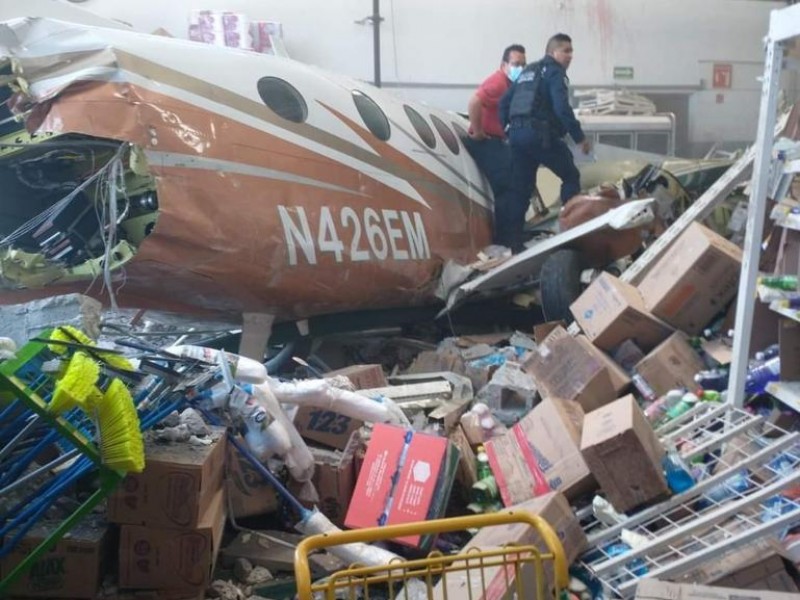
(160,173)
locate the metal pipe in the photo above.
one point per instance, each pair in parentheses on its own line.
(376,40)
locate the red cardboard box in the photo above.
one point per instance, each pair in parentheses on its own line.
(406,477)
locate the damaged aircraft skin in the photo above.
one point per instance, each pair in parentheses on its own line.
(191,178)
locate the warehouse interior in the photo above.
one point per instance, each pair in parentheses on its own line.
(400,300)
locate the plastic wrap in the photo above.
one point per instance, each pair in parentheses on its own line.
(349,554)
(243,369)
(319,393)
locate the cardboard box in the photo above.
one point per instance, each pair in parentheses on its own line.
(673,364)
(331,428)
(162,558)
(620,380)
(72,569)
(694,280)
(467,471)
(565,370)
(761,565)
(176,487)
(335,479)
(611,311)
(540,453)
(653,589)
(624,454)
(249,494)
(789,349)
(406,477)
(500,582)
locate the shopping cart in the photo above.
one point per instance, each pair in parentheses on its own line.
(538,570)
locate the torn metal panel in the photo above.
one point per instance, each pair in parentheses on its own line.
(218,203)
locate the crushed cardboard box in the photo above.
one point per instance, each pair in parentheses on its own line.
(499,582)
(624,455)
(249,494)
(693,280)
(175,489)
(672,365)
(72,569)
(162,558)
(565,370)
(611,311)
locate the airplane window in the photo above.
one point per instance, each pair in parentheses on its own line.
(447,134)
(283,99)
(421,127)
(462,133)
(372,115)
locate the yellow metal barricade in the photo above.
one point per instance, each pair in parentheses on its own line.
(513,571)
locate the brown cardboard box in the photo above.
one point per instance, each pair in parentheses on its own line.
(673,364)
(761,565)
(157,557)
(249,494)
(467,472)
(653,589)
(694,279)
(335,478)
(543,450)
(72,569)
(565,370)
(611,311)
(331,428)
(500,583)
(624,454)
(541,331)
(789,347)
(176,487)
(619,378)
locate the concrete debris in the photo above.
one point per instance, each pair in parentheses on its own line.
(173,419)
(180,433)
(224,590)
(21,322)
(242,569)
(194,422)
(258,576)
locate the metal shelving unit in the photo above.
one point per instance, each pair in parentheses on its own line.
(699,527)
(710,519)
(784,25)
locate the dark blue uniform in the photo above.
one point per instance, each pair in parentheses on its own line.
(537,112)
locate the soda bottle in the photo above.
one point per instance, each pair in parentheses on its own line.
(758,377)
(482,460)
(779,282)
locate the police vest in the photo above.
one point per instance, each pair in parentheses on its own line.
(526,100)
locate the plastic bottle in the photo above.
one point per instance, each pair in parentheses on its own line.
(482,460)
(760,376)
(687,401)
(768,353)
(658,409)
(644,388)
(712,379)
(485,491)
(780,282)
(677,473)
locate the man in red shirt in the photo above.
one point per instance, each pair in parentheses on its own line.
(487,140)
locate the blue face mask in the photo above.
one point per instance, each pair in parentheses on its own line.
(514,72)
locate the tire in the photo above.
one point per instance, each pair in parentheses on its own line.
(560,284)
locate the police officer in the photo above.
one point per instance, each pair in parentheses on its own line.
(538,115)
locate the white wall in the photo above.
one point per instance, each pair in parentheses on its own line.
(451,45)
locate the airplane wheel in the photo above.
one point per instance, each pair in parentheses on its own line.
(560,284)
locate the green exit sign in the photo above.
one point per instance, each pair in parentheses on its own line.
(623,72)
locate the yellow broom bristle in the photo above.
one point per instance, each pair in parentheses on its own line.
(67,333)
(75,387)
(121,443)
(62,334)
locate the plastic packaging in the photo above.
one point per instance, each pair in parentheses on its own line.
(482,464)
(243,369)
(735,485)
(712,379)
(656,411)
(759,377)
(787,283)
(677,473)
(319,393)
(685,404)
(644,388)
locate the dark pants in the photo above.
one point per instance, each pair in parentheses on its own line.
(493,157)
(528,152)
